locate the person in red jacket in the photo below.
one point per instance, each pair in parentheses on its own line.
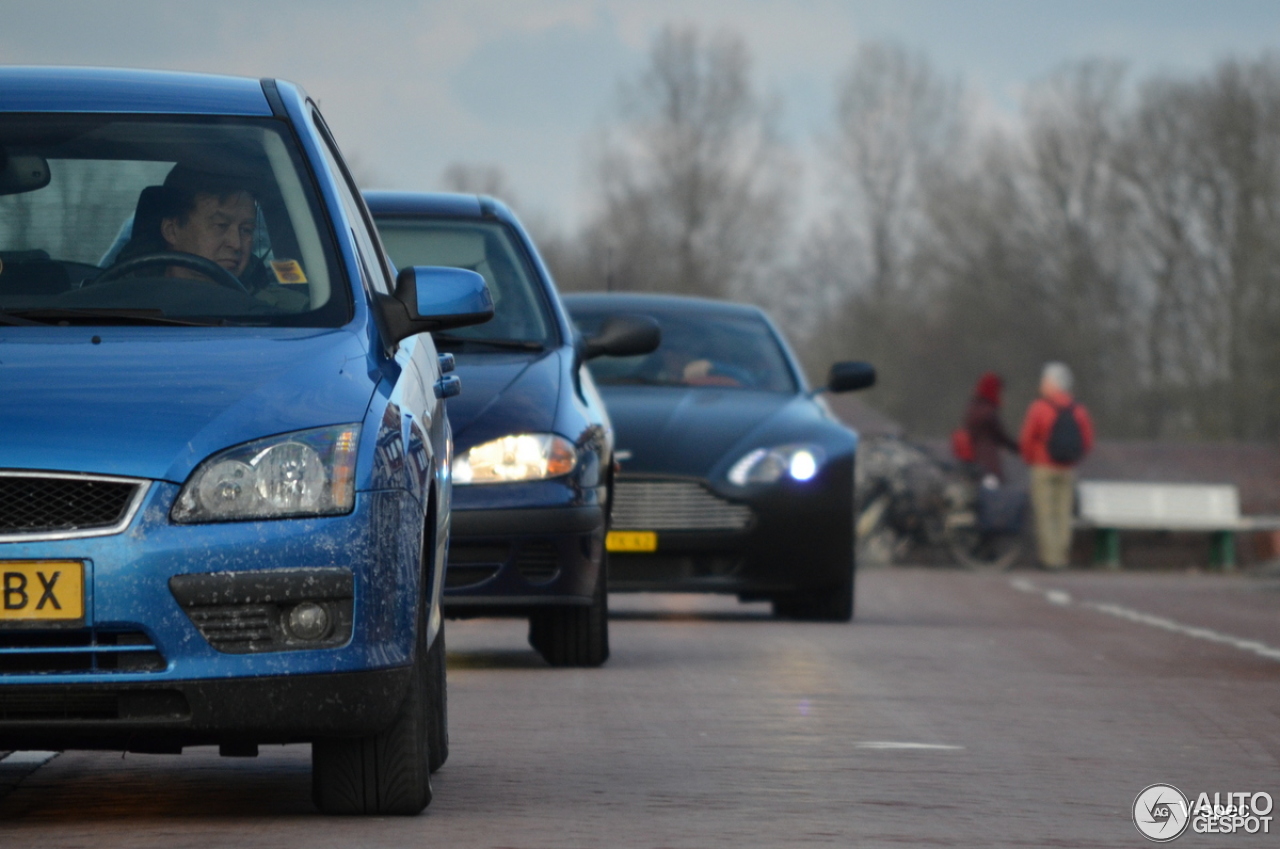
(986,431)
(1056,435)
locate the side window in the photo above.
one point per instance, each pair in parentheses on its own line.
(373,262)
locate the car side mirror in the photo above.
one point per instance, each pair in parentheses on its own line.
(431,298)
(849,376)
(623,336)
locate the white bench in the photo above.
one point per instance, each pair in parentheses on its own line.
(1113,506)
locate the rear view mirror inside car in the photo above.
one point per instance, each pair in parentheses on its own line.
(22,173)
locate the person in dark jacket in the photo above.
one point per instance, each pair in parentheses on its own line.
(986,431)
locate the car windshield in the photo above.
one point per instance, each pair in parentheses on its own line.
(520,313)
(733,351)
(108,219)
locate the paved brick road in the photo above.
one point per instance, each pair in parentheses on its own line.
(960,710)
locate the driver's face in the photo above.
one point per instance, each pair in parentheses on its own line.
(220,229)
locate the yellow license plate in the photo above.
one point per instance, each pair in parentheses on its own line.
(631,541)
(38,590)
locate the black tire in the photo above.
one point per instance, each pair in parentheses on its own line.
(574,636)
(438,698)
(832,604)
(386,773)
(983,552)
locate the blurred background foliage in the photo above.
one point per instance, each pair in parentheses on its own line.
(1127,227)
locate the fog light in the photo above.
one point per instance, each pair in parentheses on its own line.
(308,621)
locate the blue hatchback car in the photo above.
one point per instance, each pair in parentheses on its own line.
(533,471)
(225,472)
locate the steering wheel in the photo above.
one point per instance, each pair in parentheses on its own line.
(196,263)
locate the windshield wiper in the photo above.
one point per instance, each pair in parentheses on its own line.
(50,315)
(447,340)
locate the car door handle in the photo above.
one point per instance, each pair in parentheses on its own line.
(447,387)
(447,363)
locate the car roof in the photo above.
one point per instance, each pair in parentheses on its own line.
(641,301)
(112,90)
(442,204)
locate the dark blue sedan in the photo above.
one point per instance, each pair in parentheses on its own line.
(224,477)
(533,461)
(735,476)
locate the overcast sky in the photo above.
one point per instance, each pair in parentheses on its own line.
(410,86)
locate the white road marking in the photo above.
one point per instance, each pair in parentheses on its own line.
(1261,649)
(31,759)
(888,744)
(1023,585)
(1063,599)
(16,766)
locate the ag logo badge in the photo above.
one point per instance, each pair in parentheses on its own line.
(1160,813)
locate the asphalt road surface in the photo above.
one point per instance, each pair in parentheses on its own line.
(1025,709)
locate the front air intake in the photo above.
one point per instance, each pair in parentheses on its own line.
(44,505)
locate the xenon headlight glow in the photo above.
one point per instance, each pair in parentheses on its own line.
(519,457)
(305,473)
(768,465)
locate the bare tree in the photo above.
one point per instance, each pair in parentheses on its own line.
(694,183)
(898,123)
(897,120)
(1071,215)
(981,253)
(1202,167)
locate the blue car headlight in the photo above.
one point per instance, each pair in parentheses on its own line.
(515,458)
(305,473)
(800,462)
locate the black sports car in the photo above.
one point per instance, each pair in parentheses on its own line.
(735,476)
(533,448)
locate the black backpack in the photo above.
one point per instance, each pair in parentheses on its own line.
(1066,442)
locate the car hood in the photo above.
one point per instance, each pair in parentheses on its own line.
(685,431)
(504,393)
(154,402)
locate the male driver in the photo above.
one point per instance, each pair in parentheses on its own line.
(209,215)
(1056,435)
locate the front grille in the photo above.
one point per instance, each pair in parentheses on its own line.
(58,705)
(474,563)
(674,506)
(33,503)
(471,563)
(81,650)
(538,561)
(45,704)
(236,628)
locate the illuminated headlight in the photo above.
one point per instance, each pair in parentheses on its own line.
(768,465)
(307,473)
(519,457)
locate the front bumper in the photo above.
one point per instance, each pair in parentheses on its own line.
(164,717)
(506,561)
(800,538)
(259,687)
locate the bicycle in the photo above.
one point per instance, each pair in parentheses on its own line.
(912,503)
